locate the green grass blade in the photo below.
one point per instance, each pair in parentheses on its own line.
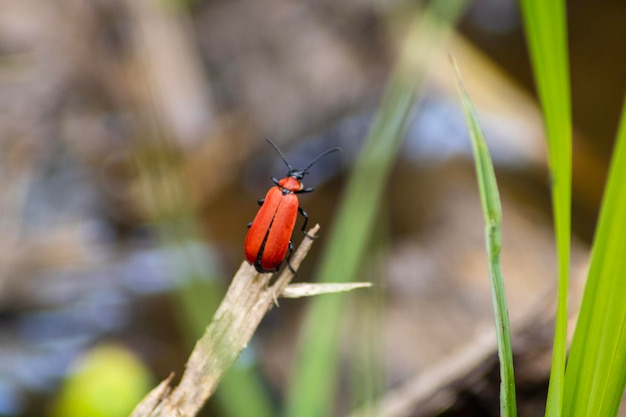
(313,381)
(596,372)
(546,33)
(492,211)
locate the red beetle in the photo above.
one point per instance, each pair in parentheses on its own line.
(269,236)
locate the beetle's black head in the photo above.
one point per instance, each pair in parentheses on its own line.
(297,173)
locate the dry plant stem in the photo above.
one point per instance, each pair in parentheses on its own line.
(436,387)
(248,299)
(433,390)
(308,289)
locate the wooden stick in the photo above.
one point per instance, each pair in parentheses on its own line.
(247,300)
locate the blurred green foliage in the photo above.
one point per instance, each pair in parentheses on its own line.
(107,381)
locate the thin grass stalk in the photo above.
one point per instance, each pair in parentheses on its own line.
(546,33)
(492,211)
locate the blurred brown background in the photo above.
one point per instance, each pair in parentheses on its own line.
(131,141)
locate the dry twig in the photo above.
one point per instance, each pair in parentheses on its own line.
(248,299)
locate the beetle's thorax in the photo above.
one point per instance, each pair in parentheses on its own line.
(290,184)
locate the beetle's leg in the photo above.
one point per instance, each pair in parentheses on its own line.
(275,180)
(293,271)
(260,203)
(306,190)
(306,220)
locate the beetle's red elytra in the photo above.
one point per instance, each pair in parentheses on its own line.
(269,236)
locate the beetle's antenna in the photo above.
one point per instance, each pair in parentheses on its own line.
(281,154)
(317,158)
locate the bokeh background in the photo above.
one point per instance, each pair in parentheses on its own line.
(132,154)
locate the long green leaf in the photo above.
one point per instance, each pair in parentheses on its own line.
(314,377)
(492,211)
(596,372)
(546,33)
